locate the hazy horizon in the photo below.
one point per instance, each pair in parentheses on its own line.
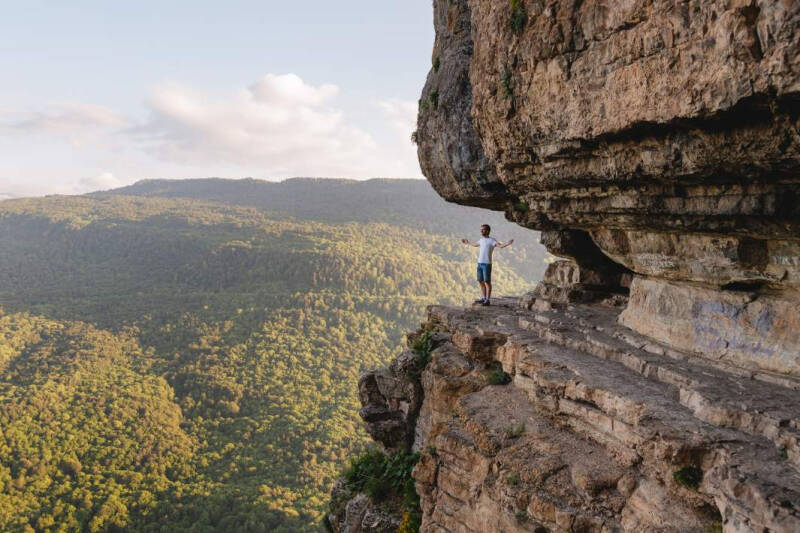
(7,196)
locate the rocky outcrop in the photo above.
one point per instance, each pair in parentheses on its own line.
(658,138)
(586,110)
(654,374)
(391,399)
(351,512)
(651,381)
(655,142)
(599,428)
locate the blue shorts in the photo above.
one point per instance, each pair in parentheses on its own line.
(485,272)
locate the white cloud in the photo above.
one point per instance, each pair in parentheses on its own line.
(291,89)
(280,125)
(402,115)
(78,122)
(277,127)
(102,182)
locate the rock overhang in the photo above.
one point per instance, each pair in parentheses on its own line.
(654,139)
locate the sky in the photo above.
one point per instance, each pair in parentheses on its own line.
(100,94)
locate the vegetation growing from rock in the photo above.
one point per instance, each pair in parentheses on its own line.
(433,97)
(422,345)
(381,476)
(508,88)
(519,17)
(513,432)
(387,478)
(496,376)
(688,476)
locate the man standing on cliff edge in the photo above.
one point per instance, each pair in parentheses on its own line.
(487,245)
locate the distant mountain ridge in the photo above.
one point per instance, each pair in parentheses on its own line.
(400,202)
(324,199)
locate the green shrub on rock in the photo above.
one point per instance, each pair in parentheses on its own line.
(688,476)
(519,16)
(387,478)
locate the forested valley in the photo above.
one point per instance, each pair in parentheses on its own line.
(184,355)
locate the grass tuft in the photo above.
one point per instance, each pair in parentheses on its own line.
(688,476)
(515,431)
(783,452)
(433,97)
(422,346)
(498,377)
(519,16)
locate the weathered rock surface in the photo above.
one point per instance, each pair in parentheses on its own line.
(594,426)
(757,330)
(356,513)
(654,374)
(652,112)
(667,132)
(451,153)
(391,401)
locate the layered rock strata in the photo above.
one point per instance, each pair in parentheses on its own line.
(650,114)
(654,373)
(599,429)
(660,138)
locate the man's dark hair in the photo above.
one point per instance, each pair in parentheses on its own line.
(488,227)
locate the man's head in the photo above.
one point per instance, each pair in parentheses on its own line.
(485,230)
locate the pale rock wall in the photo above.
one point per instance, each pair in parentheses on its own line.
(655,374)
(663,134)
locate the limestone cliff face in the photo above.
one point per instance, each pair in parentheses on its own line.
(637,114)
(662,135)
(656,145)
(593,427)
(651,382)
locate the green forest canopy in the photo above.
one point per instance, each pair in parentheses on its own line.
(185,355)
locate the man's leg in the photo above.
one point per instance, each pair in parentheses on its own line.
(481,279)
(487,280)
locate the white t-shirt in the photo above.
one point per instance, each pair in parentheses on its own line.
(487,245)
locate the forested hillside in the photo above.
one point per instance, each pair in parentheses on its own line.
(184,356)
(407,203)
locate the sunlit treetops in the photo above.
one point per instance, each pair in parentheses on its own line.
(191,364)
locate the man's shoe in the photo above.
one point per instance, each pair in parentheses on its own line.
(485,302)
(479,301)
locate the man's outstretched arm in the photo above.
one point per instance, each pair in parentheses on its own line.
(506,244)
(465,241)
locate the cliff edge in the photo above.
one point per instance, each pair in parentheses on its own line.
(652,379)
